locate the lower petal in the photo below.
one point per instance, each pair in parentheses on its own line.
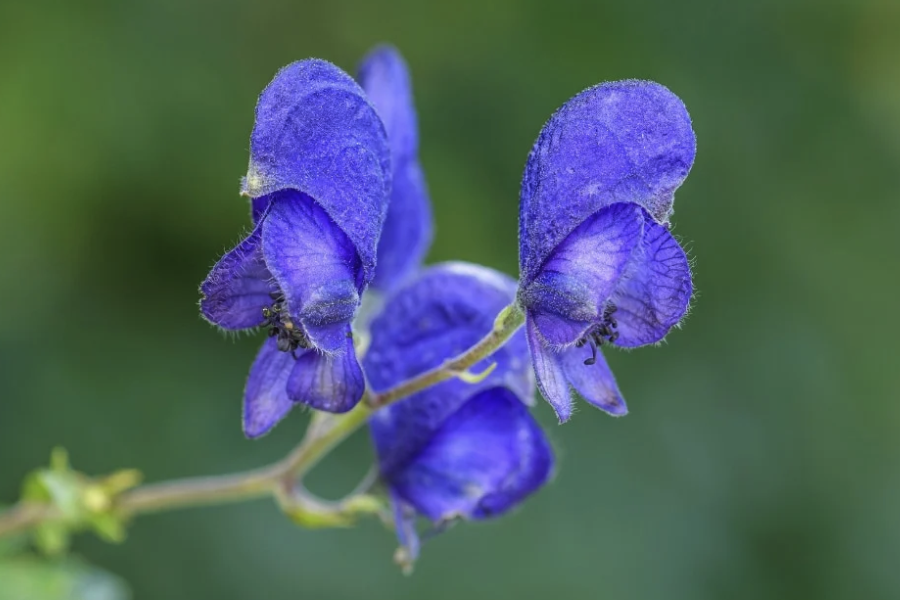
(654,294)
(258,207)
(238,287)
(595,382)
(576,281)
(266,400)
(405,527)
(559,330)
(330,382)
(486,458)
(329,338)
(551,380)
(312,260)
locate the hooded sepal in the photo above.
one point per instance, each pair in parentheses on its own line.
(316,133)
(623,141)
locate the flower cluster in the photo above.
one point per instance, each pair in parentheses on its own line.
(341,220)
(457,449)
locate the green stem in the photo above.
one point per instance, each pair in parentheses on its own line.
(197,491)
(325,432)
(507,323)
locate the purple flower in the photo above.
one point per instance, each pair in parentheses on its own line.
(319,181)
(408,229)
(597,262)
(455,450)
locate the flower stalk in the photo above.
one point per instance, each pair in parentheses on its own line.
(280,479)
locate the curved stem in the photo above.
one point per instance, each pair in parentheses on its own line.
(507,323)
(325,432)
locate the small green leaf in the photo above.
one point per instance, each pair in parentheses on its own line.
(317,520)
(473,378)
(33,489)
(108,527)
(82,502)
(312,513)
(52,538)
(59,460)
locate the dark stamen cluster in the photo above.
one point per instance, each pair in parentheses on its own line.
(289,336)
(602,333)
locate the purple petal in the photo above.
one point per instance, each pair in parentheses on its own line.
(405,525)
(330,382)
(317,134)
(595,382)
(656,290)
(445,310)
(314,264)
(265,398)
(485,458)
(384,76)
(625,141)
(573,287)
(441,313)
(407,231)
(330,337)
(551,381)
(558,330)
(238,287)
(258,207)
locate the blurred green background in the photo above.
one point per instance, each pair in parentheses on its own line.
(761,458)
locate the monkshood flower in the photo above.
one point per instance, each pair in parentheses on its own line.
(319,181)
(408,228)
(457,450)
(598,265)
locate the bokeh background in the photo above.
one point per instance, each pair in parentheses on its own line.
(761,458)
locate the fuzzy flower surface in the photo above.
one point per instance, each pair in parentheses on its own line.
(408,230)
(598,265)
(456,450)
(319,183)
